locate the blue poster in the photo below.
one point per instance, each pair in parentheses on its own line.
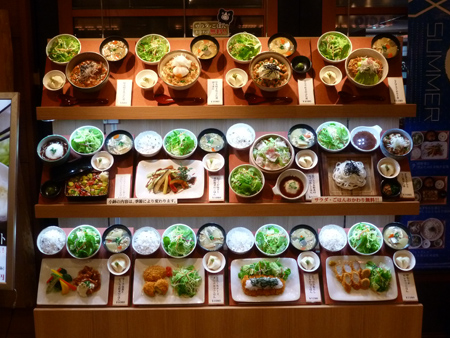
(428,86)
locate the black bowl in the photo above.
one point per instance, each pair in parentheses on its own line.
(304,126)
(389,36)
(283,35)
(395,186)
(205,37)
(208,225)
(51,189)
(113,227)
(301,59)
(210,131)
(116,38)
(403,227)
(69,169)
(119,132)
(307,227)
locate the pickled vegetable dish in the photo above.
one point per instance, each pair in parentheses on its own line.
(92,184)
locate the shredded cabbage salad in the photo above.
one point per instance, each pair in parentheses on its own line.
(333,137)
(185,281)
(246,181)
(152,48)
(334,46)
(179,143)
(83,242)
(271,240)
(87,140)
(244,46)
(265,268)
(365,239)
(179,241)
(64,48)
(272,153)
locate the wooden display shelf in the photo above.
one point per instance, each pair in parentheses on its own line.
(224,112)
(246,321)
(71,210)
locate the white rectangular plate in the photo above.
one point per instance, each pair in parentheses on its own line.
(426,146)
(291,292)
(73,266)
(140,298)
(146,167)
(337,292)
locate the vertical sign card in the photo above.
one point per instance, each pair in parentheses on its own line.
(121,291)
(312,288)
(216,289)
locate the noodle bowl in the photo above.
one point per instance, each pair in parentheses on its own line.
(349,175)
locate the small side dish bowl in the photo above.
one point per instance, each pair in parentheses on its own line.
(243,43)
(282,43)
(365,53)
(303,162)
(54,80)
(386,44)
(340,142)
(326,47)
(146,79)
(301,64)
(373,238)
(148,143)
(302,136)
(366,139)
(213,162)
(51,240)
(330,75)
(262,148)
(188,75)
(399,258)
(114,48)
(119,264)
(210,263)
(236,78)
(292,185)
(240,136)
(173,140)
(51,189)
(62,48)
(84,242)
(332,238)
(397,236)
(390,189)
(308,259)
(240,240)
(119,143)
(303,237)
(249,172)
(396,143)
(171,240)
(78,138)
(117,238)
(95,62)
(54,150)
(205,47)
(146,241)
(211,237)
(388,167)
(151,48)
(272,240)
(264,65)
(102,161)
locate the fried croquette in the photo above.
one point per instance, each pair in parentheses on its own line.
(153,273)
(149,289)
(161,286)
(263,285)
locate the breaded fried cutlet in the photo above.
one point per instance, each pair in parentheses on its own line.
(264,285)
(149,289)
(365,283)
(347,282)
(161,286)
(153,273)
(365,273)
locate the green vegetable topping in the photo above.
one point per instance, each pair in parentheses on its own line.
(271,240)
(186,281)
(244,46)
(87,140)
(265,268)
(334,46)
(152,48)
(179,241)
(64,48)
(246,181)
(365,239)
(179,143)
(83,242)
(380,277)
(333,137)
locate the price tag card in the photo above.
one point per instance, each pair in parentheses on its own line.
(122,186)
(314,186)
(396,90)
(306,92)
(405,179)
(215,92)
(216,289)
(123,93)
(408,287)
(121,291)
(129,201)
(312,288)
(216,188)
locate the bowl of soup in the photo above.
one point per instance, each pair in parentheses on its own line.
(365,139)
(117,238)
(119,142)
(397,236)
(292,184)
(88,72)
(114,48)
(304,237)
(205,47)
(282,43)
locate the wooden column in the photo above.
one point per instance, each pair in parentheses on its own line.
(6,56)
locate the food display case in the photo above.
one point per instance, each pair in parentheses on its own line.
(238,314)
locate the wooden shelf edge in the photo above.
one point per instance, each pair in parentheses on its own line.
(226,209)
(224,112)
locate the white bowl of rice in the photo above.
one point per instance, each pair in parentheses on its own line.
(332,238)
(240,240)
(148,143)
(146,241)
(240,136)
(51,240)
